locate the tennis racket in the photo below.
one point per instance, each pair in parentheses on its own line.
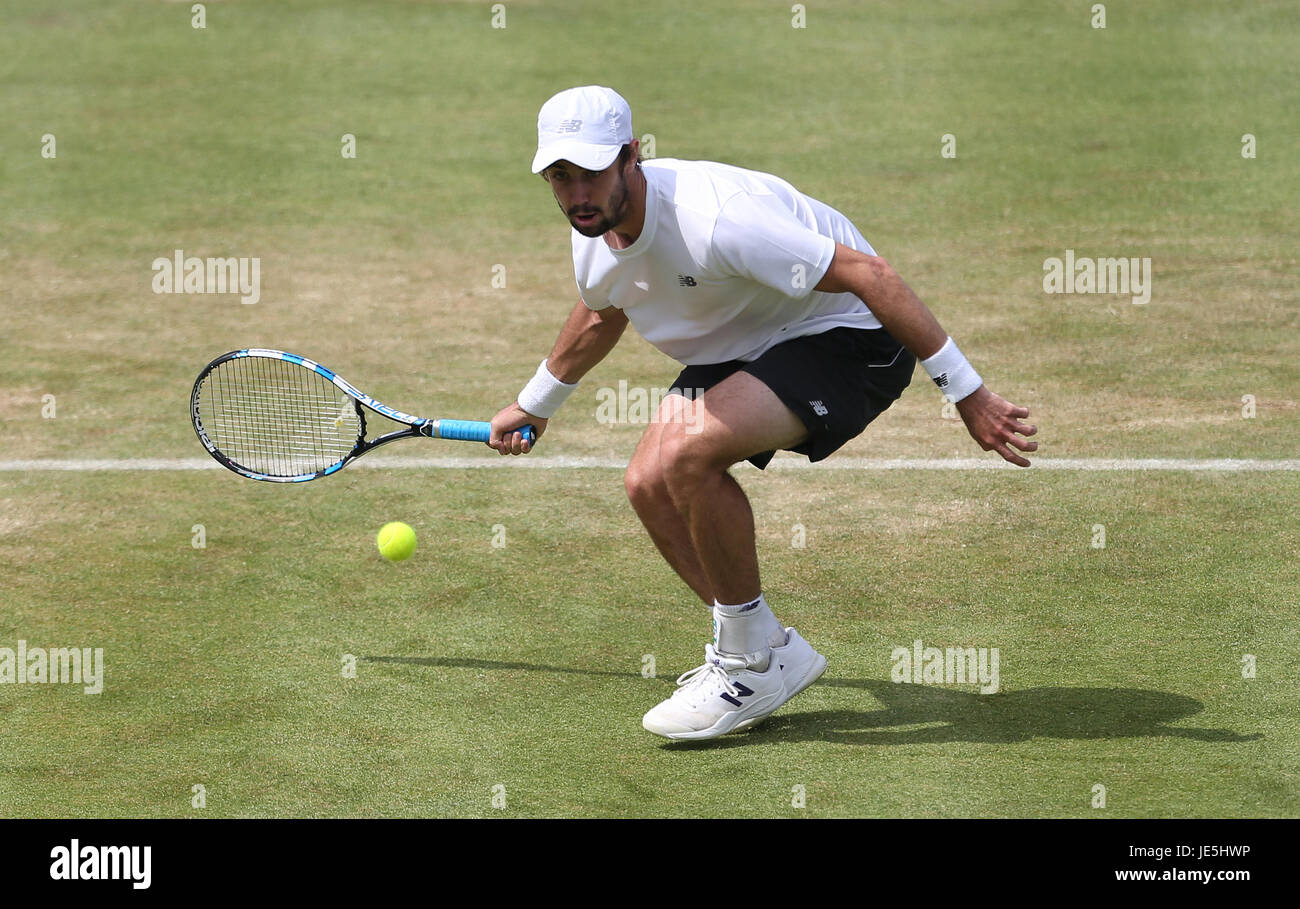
(271,415)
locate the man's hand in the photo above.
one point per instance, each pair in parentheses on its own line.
(513,417)
(994,422)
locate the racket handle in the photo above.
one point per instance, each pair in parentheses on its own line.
(475,431)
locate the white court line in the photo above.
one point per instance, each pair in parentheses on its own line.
(1219,465)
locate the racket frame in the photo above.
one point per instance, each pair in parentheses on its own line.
(416,426)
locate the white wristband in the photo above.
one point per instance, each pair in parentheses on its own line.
(544,393)
(952,372)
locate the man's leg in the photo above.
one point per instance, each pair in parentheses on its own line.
(647,490)
(702,522)
(735,419)
(697,513)
(719,424)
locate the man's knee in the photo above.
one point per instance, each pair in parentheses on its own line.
(644,482)
(644,478)
(687,459)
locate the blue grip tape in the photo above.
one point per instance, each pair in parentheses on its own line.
(476,431)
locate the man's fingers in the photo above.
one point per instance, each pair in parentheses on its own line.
(506,444)
(997,426)
(1011,456)
(513,442)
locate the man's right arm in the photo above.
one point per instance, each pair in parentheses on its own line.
(587,336)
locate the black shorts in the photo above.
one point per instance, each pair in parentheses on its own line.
(836,382)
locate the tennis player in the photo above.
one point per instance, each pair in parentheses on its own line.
(799,335)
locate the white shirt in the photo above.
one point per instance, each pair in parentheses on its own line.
(725,265)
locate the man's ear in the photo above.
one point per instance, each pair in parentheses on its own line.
(633,158)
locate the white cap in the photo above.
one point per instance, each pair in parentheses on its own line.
(586,125)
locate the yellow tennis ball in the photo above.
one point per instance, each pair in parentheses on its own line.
(396,541)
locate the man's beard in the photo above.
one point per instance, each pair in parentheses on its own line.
(618,204)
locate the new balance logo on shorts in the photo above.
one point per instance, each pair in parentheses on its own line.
(819,408)
(743,691)
(686,281)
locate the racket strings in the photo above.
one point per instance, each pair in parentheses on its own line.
(277,417)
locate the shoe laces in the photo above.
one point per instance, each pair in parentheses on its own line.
(703,682)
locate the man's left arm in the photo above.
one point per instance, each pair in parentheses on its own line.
(993,422)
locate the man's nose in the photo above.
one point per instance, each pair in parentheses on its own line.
(581,190)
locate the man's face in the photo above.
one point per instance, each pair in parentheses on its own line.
(595,202)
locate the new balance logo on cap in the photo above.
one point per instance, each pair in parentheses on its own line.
(587,125)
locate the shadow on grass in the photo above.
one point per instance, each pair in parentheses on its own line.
(494,665)
(945,715)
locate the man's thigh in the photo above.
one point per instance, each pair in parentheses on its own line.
(735,419)
(836,382)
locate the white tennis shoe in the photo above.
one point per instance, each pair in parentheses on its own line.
(799,665)
(713,699)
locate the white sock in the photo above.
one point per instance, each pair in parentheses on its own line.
(747,628)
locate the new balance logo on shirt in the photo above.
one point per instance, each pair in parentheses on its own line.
(686,281)
(819,408)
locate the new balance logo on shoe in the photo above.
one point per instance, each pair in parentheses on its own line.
(742,690)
